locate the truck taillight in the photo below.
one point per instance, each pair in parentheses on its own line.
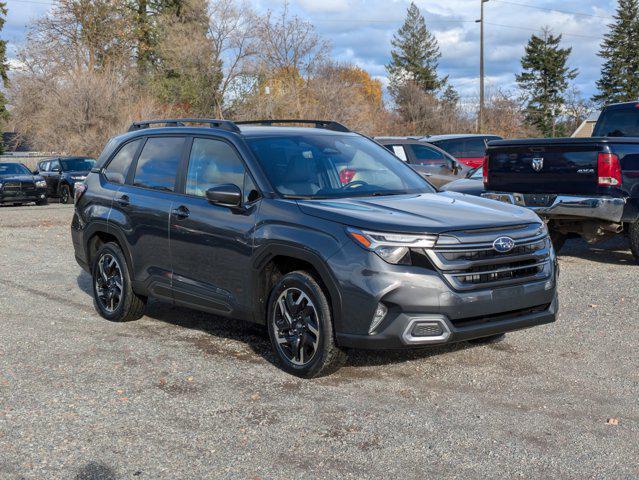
(608,170)
(485,170)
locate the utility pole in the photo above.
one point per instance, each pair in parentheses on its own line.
(480,123)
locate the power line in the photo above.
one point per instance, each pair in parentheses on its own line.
(537,30)
(548,9)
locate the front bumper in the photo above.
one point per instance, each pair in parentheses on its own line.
(23,197)
(398,334)
(602,208)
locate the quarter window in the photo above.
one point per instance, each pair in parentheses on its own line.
(118,167)
(212,162)
(158,163)
(400,152)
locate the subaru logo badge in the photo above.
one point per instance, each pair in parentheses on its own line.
(537,164)
(504,244)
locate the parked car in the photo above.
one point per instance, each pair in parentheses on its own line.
(19,186)
(473,184)
(62,173)
(429,161)
(580,186)
(264,228)
(468,149)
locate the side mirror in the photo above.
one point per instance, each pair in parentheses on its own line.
(227,195)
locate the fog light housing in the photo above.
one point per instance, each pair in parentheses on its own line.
(427,329)
(380,314)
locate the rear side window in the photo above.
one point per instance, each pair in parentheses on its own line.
(454,147)
(158,163)
(475,147)
(400,152)
(428,156)
(54,166)
(43,166)
(212,162)
(118,167)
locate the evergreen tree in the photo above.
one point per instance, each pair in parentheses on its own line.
(415,56)
(544,81)
(619,80)
(4,72)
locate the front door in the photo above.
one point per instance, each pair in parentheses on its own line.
(52,177)
(212,245)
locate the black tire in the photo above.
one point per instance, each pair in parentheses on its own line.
(65,194)
(129,305)
(558,240)
(41,203)
(491,339)
(327,357)
(633,235)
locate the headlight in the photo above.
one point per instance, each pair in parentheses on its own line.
(40,184)
(391,247)
(543,229)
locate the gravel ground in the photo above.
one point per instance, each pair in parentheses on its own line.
(179,394)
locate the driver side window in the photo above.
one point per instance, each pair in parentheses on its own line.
(212,162)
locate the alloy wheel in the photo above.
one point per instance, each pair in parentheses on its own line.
(296,326)
(108,283)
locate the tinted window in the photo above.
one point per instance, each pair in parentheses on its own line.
(475,147)
(13,169)
(54,166)
(158,163)
(618,123)
(331,166)
(118,167)
(425,155)
(77,164)
(212,162)
(454,147)
(43,166)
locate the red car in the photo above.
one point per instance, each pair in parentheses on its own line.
(468,149)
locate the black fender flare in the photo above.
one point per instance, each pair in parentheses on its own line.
(280,249)
(102,226)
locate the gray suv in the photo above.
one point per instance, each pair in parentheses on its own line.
(320,234)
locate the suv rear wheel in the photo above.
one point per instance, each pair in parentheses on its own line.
(113,296)
(300,327)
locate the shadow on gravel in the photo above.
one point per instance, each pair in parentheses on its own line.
(95,471)
(256,337)
(615,251)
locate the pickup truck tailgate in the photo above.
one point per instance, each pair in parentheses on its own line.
(551,167)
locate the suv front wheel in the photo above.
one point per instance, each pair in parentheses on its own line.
(300,327)
(113,296)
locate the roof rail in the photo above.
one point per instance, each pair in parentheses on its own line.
(325,124)
(180,122)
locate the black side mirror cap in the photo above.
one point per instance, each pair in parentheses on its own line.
(226,195)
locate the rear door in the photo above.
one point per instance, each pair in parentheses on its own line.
(144,203)
(212,245)
(547,167)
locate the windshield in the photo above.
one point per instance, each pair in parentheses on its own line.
(13,169)
(77,164)
(334,166)
(618,123)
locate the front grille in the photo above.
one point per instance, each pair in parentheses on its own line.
(473,321)
(12,186)
(472,263)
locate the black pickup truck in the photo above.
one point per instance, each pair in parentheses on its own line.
(580,186)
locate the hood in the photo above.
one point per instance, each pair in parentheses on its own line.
(423,213)
(20,178)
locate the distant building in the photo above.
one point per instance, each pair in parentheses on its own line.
(587,126)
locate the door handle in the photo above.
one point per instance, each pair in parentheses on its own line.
(181,212)
(123,200)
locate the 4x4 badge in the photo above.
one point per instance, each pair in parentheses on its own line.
(537,164)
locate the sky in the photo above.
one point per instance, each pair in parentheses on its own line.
(360,32)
